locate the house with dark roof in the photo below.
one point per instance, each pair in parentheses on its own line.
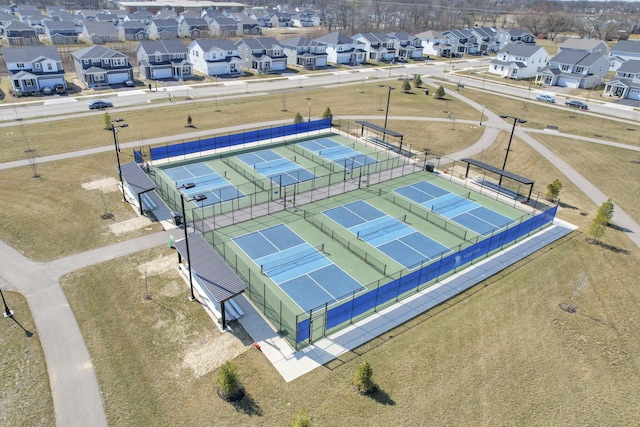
(100,32)
(98,66)
(378,46)
(193,28)
(574,69)
(262,54)
(222,26)
(626,83)
(132,31)
(623,51)
(342,49)
(32,68)
(215,57)
(463,41)
(519,61)
(163,29)
(406,45)
(434,43)
(513,35)
(305,53)
(485,37)
(163,59)
(6,19)
(584,45)
(61,32)
(20,34)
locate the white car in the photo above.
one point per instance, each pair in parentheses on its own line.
(546,98)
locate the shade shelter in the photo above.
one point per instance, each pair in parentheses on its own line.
(138,183)
(500,172)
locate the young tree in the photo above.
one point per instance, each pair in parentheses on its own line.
(606,211)
(229,387)
(577,288)
(107,121)
(302,419)
(417,82)
(597,227)
(298,118)
(553,190)
(439,92)
(362,379)
(406,86)
(327,114)
(189,121)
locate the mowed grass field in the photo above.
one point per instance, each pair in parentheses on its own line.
(502,353)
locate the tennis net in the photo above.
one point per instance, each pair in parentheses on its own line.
(449,205)
(295,259)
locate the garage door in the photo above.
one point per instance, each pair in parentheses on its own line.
(116,78)
(568,82)
(161,73)
(634,94)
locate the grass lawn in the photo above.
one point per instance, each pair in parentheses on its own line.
(25,394)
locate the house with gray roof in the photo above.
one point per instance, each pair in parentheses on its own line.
(574,69)
(305,53)
(193,28)
(61,32)
(6,19)
(406,45)
(20,34)
(215,57)
(463,41)
(342,49)
(519,61)
(262,54)
(163,59)
(132,31)
(626,83)
(584,45)
(378,46)
(513,35)
(98,66)
(32,68)
(624,50)
(100,32)
(222,26)
(163,29)
(435,43)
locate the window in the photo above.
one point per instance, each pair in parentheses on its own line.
(117,62)
(565,67)
(49,67)
(98,77)
(580,70)
(20,65)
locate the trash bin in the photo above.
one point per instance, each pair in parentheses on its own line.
(177,218)
(429,167)
(426,92)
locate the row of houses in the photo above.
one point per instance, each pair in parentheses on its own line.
(23,25)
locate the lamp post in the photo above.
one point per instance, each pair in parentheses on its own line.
(309,113)
(115,143)
(386,114)
(481,115)
(197,198)
(516,120)
(7,312)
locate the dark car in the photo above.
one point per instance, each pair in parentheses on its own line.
(99,104)
(59,88)
(576,104)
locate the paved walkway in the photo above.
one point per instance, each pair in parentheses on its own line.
(76,392)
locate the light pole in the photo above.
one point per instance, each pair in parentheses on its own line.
(198,198)
(7,312)
(115,143)
(481,115)
(386,114)
(309,113)
(516,120)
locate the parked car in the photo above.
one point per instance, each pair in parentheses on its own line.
(576,104)
(129,83)
(546,98)
(59,88)
(99,104)
(47,90)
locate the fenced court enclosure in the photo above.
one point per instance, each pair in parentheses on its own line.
(325,228)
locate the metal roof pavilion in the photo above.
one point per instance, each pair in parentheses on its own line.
(501,172)
(137,181)
(380,129)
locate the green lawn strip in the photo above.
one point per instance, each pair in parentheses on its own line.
(25,393)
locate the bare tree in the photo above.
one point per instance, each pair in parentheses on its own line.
(576,290)
(557,23)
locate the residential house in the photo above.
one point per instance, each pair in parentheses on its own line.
(32,68)
(223,27)
(215,57)
(305,18)
(485,37)
(20,34)
(463,42)
(36,21)
(262,16)
(378,46)
(98,66)
(167,14)
(61,32)
(305,53)
(163,59)
(574,69)
(626,83)
(262,54)
(6,19)
(140,16)
(132,31)
(406,45)
(107,18)
(623,51)
(100,32)
(434,43)
(584,45)
(342,49)
(88,14)
(162,29)
(249,27)
(513,35)
(280,19)
(519,61)
(190,13)
(193,28)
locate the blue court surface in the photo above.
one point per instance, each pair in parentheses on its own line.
(459,209)
(207,182)
(280,170)
(303,272)
(392,237)
(346,157)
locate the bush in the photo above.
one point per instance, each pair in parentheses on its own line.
(327,114)
(440,93)
(229,387)
(417,82)
(107,121)
(553,190)
(362,379)
(406,86)
(298,118)
(302,419)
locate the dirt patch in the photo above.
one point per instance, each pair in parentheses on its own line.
(204,357)
(106,185)
(133,224)
(158,265)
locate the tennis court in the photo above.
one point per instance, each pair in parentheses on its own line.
(389,235)
(298,268)
(457,208)
(206,180)
(280,170)
(338,153)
